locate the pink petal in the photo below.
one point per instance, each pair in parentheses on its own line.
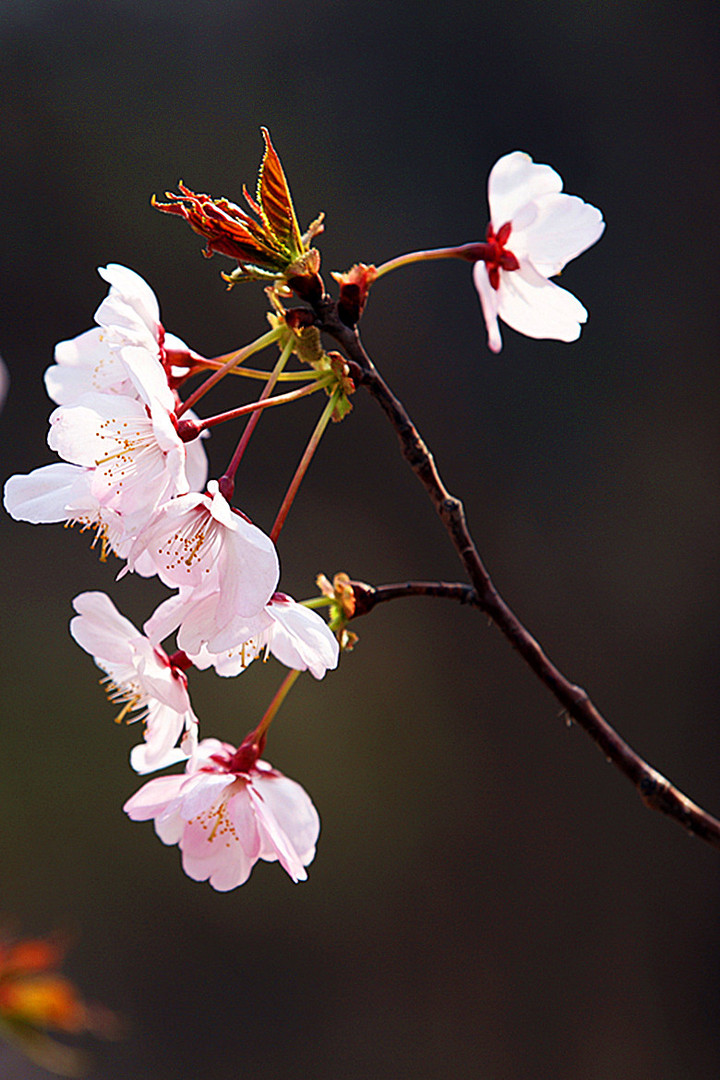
(301,639)
(144,760)
(153,797)
(294,812)
(100,629)
(43,495)
(130,304)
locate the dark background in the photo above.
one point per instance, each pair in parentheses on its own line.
(489,900)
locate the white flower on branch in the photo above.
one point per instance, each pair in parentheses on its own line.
(129,317)
(534,231)
(225,567)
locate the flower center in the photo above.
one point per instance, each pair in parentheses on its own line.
(127,694)
(196,541)
(500,258)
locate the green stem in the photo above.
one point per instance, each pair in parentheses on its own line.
(318,602)
(304,462)
(285,376)
(235,359)
(468,252)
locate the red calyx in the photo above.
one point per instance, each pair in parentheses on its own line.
(244,758)
(499,258)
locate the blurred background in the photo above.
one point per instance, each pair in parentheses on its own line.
(489,900)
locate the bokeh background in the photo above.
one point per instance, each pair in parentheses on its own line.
(490,899)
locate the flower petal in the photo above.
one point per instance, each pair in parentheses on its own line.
(301,639)
(514,181)
(153,797)
(43,496)
(564,226)
(490,301)
(534,306)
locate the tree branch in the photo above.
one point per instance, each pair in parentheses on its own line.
(369,596)
(656,791)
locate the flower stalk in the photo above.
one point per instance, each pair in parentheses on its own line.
(227,481)
(229,365)
(270,713)
(305,462)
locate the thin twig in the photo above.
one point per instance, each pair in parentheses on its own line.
(369,596)
(656,791)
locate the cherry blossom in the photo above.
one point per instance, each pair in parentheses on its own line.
(226,568)
(535,229)
(297,636)
(125,458)
(63,493)
(227,811)
(141,678)
(137,460)
(128,318)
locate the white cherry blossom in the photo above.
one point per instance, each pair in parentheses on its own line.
(227,811)
(135,454)
(63,493)
(141,678)
(297,636)
(226,568)
(535,229)
(128,318)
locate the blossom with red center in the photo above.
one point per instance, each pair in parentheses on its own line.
(535,229)
(229,810)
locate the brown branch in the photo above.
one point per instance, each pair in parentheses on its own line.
(655,790)
(369,596)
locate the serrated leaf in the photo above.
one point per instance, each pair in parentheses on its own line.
(273,196)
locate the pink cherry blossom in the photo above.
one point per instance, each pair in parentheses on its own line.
(135,454)
(297,636)
(225,567)
(534,231)
(141,678)
(227,811)
(128,318)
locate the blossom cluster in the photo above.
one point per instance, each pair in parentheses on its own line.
(134,470)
